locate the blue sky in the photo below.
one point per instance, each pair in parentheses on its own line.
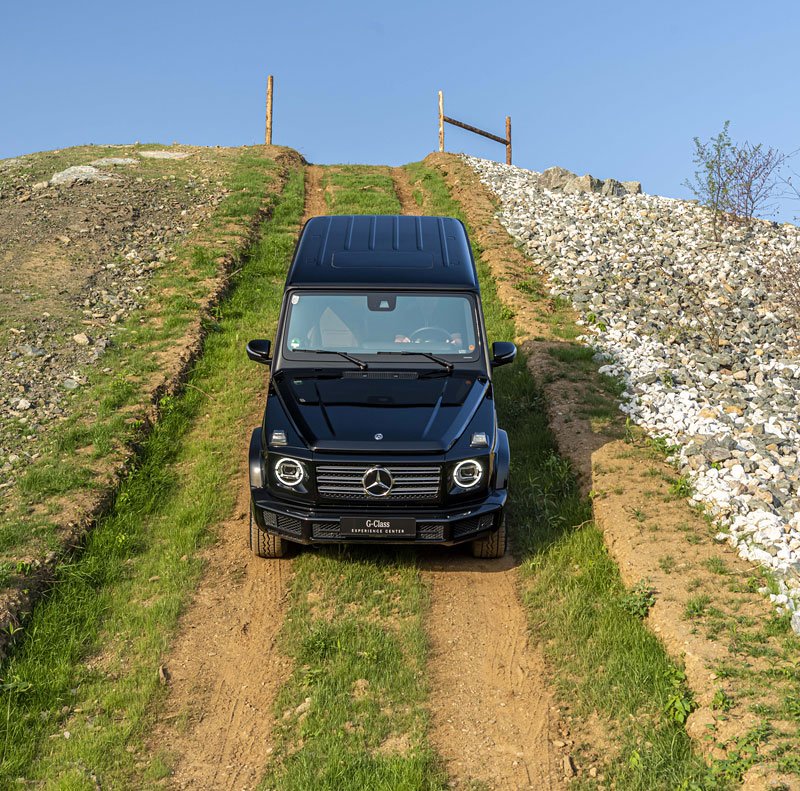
(615,88)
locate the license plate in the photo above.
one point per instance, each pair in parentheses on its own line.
(378,526)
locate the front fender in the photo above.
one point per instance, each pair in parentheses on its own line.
(502,460)
(256,467)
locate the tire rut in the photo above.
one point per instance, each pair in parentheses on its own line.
(490,708)
(315,193)
(224,666)
(489,704)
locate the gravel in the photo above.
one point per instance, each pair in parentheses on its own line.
(102,242)
(708,353)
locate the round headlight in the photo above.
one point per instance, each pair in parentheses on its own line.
(468,473)
(289,472)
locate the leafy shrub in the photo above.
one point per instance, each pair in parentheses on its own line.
(638,600)
(737,181)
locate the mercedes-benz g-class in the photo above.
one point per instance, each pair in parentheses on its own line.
(380,423)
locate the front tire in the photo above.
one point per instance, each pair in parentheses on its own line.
(267,545)
(494,545)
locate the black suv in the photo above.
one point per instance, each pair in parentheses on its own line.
(380,424)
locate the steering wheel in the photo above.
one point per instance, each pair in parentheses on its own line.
(428,334)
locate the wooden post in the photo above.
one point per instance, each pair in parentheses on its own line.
(268,133)
(441,122)
(508,140)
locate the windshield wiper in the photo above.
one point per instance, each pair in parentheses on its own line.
(360,363)
(446,363)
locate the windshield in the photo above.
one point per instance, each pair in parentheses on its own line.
(374,322)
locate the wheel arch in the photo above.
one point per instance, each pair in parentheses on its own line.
(502,460)
(255,461)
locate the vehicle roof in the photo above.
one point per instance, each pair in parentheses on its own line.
(393,250)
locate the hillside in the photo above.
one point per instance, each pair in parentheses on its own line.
(112,259)
(697,329)
(618,645)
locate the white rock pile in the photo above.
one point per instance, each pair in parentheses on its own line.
(692,325)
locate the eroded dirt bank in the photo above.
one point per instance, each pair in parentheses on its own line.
(225,667)
(490,707)
(707,610)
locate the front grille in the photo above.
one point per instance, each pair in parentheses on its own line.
(325,530)
(473,525)
(430,531)
(411,482)
(286,524)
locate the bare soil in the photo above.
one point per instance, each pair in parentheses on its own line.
(653,535)
(121,231)
(315,193)
(493,715)
(225,666)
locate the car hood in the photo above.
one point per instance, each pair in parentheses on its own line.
(382,411)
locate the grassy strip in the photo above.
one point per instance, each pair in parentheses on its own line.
(352,714)
(602,657)
(359,189)
(76,693)
(108,413)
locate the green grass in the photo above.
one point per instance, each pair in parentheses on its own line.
(359,189)
(572,354)
(88,660)
(603,659)
(106,415)
(355,630)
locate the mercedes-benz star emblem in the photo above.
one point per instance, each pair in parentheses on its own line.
(377,481)
(379,436)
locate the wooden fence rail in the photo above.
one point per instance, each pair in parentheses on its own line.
(443,119)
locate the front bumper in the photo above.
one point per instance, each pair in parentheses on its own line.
(438,526)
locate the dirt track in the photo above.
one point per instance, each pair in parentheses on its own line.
(225,667)
(490,708)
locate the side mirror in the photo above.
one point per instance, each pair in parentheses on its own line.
(503,352)
(258,351)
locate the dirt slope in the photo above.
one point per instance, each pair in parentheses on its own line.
(225,667)
(489,704)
